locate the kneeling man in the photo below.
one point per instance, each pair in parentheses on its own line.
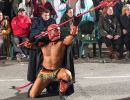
(53,54)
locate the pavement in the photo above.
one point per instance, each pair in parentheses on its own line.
(96,79)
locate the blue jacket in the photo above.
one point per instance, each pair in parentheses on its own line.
(39,25)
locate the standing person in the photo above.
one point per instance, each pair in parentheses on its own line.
(28,6)
(20,27)
(52,64)
(40,5)
(109,28)
(117,11)
(125,24)
(14,7)
(5,29)
(60,7)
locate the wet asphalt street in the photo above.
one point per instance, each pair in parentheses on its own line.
(94,81)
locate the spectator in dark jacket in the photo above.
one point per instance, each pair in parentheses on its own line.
(125,24)
(110,30)
(20,26)
(117,11)
(65,29)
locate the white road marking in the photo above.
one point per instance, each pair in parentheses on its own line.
(98,77)
(104,77)
(10,80)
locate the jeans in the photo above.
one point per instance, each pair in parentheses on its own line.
(21,49)
(1,44)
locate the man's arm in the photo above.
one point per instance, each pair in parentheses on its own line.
(73,32)
(38,42)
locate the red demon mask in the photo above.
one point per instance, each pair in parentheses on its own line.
(53,32)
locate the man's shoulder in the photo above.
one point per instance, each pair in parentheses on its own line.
(52,19)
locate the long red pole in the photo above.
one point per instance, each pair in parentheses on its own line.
(102,4)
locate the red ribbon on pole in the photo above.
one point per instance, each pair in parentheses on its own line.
(21,87)
(102,4)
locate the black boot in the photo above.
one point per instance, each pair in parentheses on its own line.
(110,52)
(52,88)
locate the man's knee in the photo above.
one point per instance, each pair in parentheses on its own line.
(32,95)
(66,75)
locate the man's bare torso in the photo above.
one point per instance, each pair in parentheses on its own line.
(53,55)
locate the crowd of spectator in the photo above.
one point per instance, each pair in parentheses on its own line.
(22,20)
(114,24)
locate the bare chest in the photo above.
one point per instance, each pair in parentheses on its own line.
(55,49)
